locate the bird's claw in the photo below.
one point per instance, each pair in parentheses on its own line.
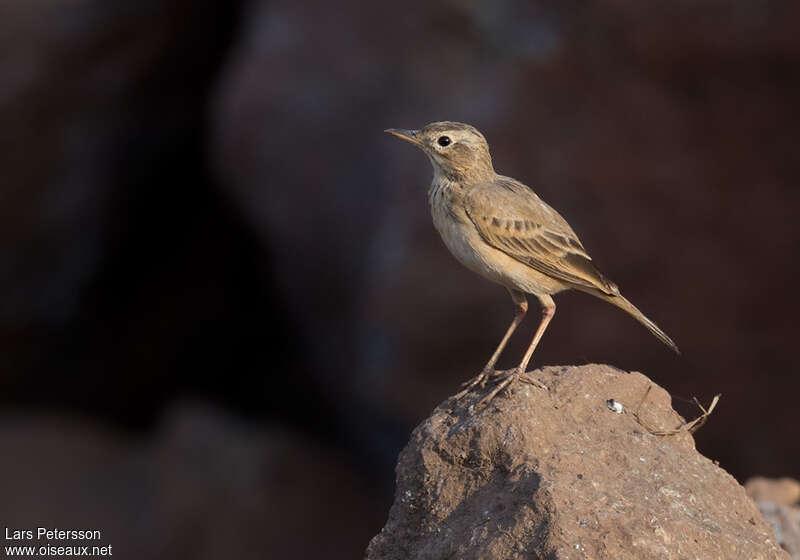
(509,377)
(525,378)
(479,379)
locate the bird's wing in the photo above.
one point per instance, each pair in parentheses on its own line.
(510,217)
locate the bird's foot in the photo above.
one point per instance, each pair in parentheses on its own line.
(508,378)
(525,378)
(479,379)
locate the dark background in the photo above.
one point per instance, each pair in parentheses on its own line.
(223,306)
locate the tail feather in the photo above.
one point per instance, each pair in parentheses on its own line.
(631,309)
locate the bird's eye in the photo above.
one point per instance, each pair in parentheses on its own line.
(443,141)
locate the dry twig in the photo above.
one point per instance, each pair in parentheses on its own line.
(690,427)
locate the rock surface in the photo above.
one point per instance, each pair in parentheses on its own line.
(559,474)
(785,523)
(781,491)
(778,500)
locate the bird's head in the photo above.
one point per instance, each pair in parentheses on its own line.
(457,151)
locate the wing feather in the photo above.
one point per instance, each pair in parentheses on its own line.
(516,221)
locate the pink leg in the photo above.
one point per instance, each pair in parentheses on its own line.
(521,307)
(548,310)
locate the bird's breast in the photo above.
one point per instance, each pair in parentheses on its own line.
(456,229)
(466,244)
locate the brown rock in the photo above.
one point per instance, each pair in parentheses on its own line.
(781,491)
(785,523)
(775,498)
(559,474)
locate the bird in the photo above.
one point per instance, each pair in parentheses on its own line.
(499,228)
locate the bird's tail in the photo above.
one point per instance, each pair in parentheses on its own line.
(631,309)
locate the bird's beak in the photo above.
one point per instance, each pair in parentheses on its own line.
(407,135)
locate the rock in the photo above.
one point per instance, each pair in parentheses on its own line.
(559,474)
(785,523)
(781,491)
(777,500)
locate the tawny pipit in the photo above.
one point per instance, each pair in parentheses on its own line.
(499,228)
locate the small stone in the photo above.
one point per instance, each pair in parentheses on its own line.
(614,405)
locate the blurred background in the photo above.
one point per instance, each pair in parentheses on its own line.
(223,306)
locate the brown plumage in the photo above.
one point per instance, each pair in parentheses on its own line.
(501,229)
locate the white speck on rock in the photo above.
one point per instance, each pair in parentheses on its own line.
(614,405)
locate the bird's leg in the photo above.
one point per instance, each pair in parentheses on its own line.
(548,310)
(520,308)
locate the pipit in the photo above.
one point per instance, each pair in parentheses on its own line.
(499,228)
